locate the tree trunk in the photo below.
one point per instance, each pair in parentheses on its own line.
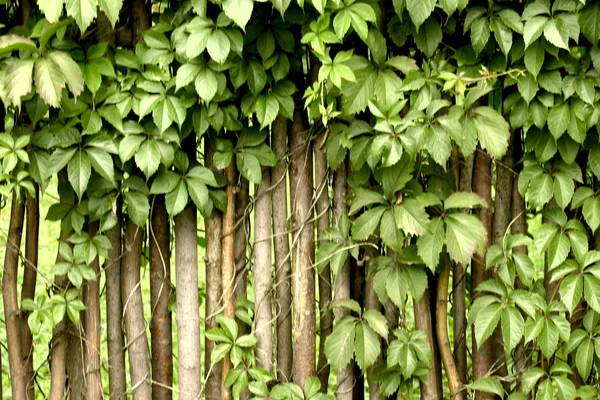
(241,239)
(135,326)
(9,296)
(114,312)
(29,281)
(263,269)
(76,378)
(92,328)
(431,387)
(443,339)
(372,303)
(459,283)
(58,351)
(326,317)
(483,353)
(188,315)
(303,250)
(212,260)
(160,294)
(228,266)
(345,377)
(281,241)
(141,12)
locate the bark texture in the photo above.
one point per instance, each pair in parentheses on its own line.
(212,260)
(342,288)
(114,312)
(323,211)
(303,251)
(228,266)
(263,269)
(32,233)
(92,329)
(483,353)
(160,293)
(281,241)
(135,325)
(9,297)
(241,240)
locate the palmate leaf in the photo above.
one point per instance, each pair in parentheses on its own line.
(339,345)
(18,80)
(419,10)
(239,11)
(465,235)
(79,171)
(49,81)
(430,244)
(83,11)
(367,345)
(486,321)
(111,8)
(69,69)
(492,131)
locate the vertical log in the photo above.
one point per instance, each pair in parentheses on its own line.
(32,231)
(342,287)
(283,269)
(9,297)
(424,321)
(117,383)
(212,260)
(58,351)
(228,266)
(160,293)
(303,250)
(459,283)
(263,269)
(92,328)
(326,317)
(483,353)
(135,326)
(443,338)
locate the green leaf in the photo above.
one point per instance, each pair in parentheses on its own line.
(557,33)
(198,192)
(438,144)
(147,158)
(186,75)
(429,36)
(486,321)
(239,11)
(12,42)
(49,81)
(111,8)
(363,198)
(502,34)
(377,322)
(492,131)
(249,167)
(464,200)
(112,115)
(584,358)
(540,190)
(558,250)
(52,9)
(528,88)
(558,119)
(465,235)
(390,234)
(591,213)
(102,163)
(513,327)
(339,345)
(206,84)
(365,225)
(591,288)
(18,80)
(589,21)
(79,171)
(419,10)
(488,385)
(129,146)
(533,29)
(267,108)
(480,34)
(367,346)
(563,189)
(218,46)
(430,245)
(177,199)
(534,58)
(411,217)
(571,290)
(83,11)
